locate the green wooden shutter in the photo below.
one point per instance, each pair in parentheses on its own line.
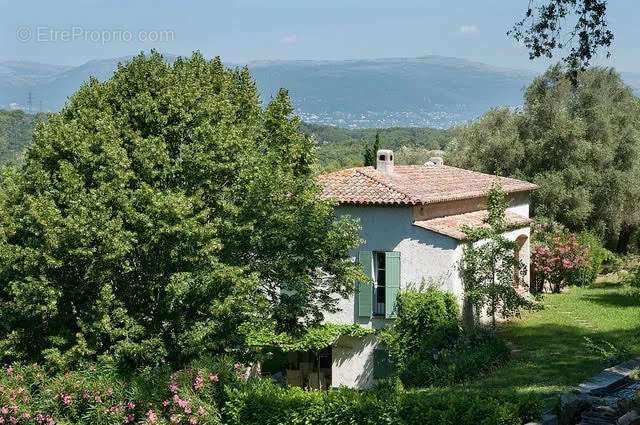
(365,289)
(392,277)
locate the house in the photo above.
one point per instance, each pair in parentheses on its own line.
(411,219)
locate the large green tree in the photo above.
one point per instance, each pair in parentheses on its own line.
(159,211)
(580,142)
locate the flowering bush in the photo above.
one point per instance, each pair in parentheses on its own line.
(101,395)
(557,260)
(214,393)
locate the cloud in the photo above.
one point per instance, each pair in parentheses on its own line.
(289,39)
(468,29)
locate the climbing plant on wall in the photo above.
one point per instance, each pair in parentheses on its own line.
(489,267)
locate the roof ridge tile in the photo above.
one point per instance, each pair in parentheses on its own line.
(387,184)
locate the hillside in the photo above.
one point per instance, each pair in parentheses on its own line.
(337,147)
(16,128)
(340,147)
(430,91)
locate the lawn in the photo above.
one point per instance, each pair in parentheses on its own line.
(550,352)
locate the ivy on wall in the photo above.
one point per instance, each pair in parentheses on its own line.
(313,338)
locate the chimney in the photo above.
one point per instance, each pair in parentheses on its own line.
(384,162)
(434,161)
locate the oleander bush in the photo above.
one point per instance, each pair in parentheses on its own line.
(215,392)
(560,258)
(101,394)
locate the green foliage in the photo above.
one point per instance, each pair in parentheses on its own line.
(474,352)
(578,142)
(426,322)
(607,351)
(633,279)
(213,392)
(560,258)
(262,402)
(370,152)
(16,128)
(489,268)
(598,256)
(465,407)
(340,148)
(157,213)
(546,29)
(313,338)
(427,346)
(102,395)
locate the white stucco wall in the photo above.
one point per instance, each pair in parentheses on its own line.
(353,362)
(519,204)
(423,254)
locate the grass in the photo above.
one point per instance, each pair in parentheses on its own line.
(551,348)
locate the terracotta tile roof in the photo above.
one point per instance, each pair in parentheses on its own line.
(452,225)
(412,184)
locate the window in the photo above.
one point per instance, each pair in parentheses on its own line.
(381,157)
(377,295)
(380,277)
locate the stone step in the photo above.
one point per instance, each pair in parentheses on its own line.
(610,379)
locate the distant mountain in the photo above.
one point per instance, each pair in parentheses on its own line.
(431,91)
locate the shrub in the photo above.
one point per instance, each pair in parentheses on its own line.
(474,352)
(427,321)
(559,259)
(466,407)
(633,278)
(428,347)
(262,402)
(597,256)
(100,394)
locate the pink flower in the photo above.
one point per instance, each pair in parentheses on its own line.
(131,405)
(174,419)
(66,399)
(130,417)
(198,383)
(193,421)
(173,387)
(152,418)
(214,377)
(165,403)
(10,370)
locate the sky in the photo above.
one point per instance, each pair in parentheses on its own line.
(72,32)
